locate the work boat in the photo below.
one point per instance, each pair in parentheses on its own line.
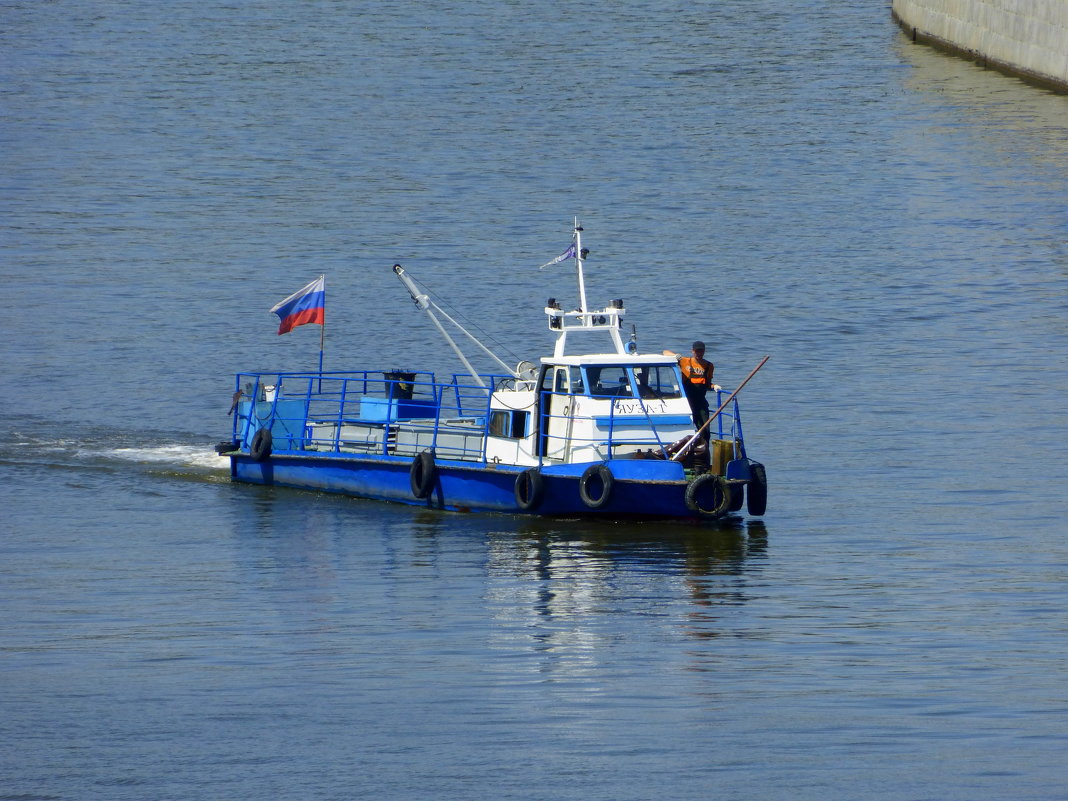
(606,433)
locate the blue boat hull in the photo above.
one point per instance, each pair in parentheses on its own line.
(640,488)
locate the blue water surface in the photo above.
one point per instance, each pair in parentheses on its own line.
(802,181)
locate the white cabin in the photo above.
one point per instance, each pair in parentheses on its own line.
(590,407)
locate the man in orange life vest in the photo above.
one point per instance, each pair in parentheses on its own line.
(696,381)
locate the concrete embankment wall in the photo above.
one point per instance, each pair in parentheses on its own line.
(1024,37)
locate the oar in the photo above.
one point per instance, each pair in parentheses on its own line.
(722,406)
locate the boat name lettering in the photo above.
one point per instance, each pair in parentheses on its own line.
(636,407)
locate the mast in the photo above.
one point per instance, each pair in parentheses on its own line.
(608,320)
(578,263)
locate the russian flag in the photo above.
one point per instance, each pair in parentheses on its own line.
(307,305)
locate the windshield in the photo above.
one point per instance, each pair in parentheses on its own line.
(658,381)
(619,381)
(609,382)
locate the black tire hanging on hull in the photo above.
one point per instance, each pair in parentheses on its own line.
(595,486)
(709,495)
(421,474)
(529,489)
(260,447)
(757,495)
(737,497)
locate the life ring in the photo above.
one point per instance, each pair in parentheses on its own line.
(529,489)
(757,495)
(698,490)
(421,474)
(260,448)
(595,486)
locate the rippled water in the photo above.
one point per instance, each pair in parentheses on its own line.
(885,221)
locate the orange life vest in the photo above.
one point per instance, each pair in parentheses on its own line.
(697,372)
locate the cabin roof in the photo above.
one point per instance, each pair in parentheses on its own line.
(609,358)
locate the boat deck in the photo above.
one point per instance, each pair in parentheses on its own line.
(402,414)
(460,439)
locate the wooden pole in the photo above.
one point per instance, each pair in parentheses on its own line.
(722,406)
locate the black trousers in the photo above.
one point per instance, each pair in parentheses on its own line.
(699,407)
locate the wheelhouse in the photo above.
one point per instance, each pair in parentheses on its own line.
(579,409)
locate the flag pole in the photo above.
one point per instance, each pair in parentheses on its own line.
(322,336)
(323,330)
(306,305)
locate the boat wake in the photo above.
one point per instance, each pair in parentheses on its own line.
(110,449)
(172,455)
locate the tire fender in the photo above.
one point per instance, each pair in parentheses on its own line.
(709,487)
(260,448)
(595,485)
(529,489)
(422,474)
(757,496)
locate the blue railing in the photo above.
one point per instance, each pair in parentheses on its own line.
(403,413)
(726,426)
(375,412)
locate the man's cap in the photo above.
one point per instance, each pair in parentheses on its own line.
(698,345)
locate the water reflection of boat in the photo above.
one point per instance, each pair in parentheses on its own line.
(604,433)
(693,551)
(562,578)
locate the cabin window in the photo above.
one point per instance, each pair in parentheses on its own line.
(508,423)
(658,381)
(610,381)
(560,384)
(576,381)
(547,379)
(562,380)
